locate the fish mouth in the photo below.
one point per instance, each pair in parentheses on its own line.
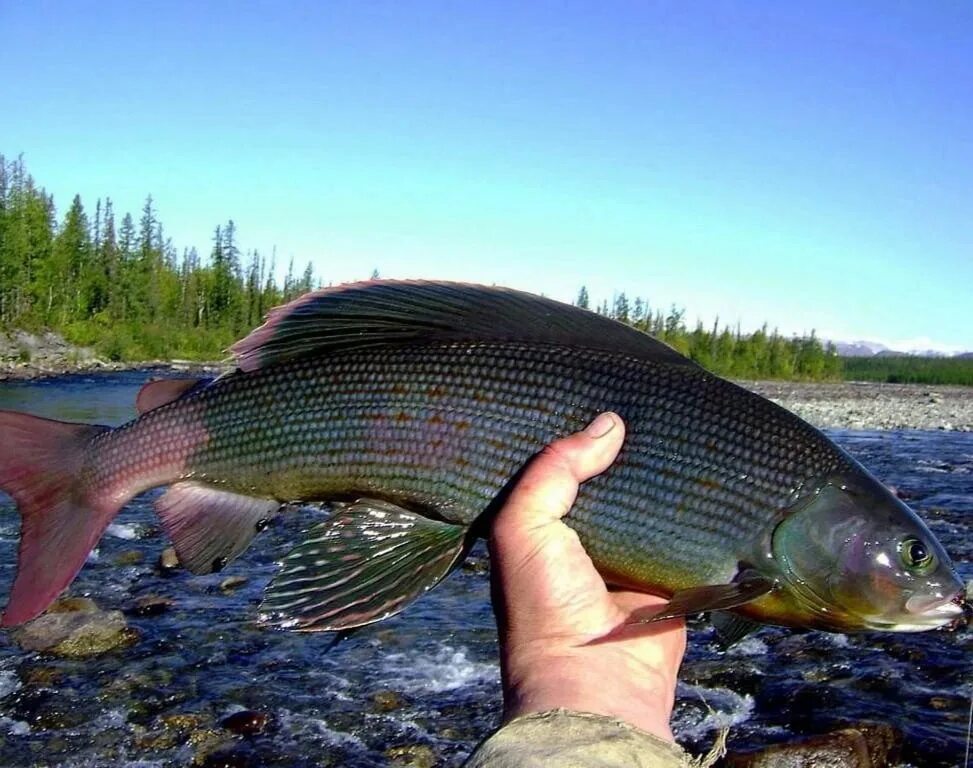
(932,612)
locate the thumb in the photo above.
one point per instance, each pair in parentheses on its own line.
(549,484)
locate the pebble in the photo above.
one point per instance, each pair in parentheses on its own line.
(413,755)
(168,561)
(230,583)
(129,557)
(387,701)
(152,605)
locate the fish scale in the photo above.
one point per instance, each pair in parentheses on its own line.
(419,403)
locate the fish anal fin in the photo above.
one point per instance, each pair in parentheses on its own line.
(730,628)
(712,597)
(208,526)
(364,564)
(162,391)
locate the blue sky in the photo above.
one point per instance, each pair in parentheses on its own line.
(809,165)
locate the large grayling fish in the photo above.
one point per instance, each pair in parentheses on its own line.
(418,403)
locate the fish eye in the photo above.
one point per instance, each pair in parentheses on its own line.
(915,555)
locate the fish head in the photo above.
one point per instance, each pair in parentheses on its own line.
(852,556)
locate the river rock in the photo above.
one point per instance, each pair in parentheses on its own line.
(246,722)
(477,565)
(231,583)
(387,701)
(865,745)
(75,634)
(151,605)
(73,605)
(129,557)
(168,561)
(412,755)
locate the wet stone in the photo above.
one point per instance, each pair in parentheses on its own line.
(207,743)
(229,757)
(478,565)
(246,723)
(413,755)
(129,557)
(152,605)
(741,676)
(41,676)
(867,745)
(168,561)
(387,701)
(231,583)
(73,605)
(77,634)
(45,709)
(183,721)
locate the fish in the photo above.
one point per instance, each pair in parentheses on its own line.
(413,405)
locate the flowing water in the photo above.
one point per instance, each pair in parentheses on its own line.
(426,683)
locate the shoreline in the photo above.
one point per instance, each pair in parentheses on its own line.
(868,405)
(827,405)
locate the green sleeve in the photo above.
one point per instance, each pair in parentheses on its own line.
(575,740)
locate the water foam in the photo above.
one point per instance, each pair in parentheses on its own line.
(9,682)
(446,669)
(126,531)
(705,710)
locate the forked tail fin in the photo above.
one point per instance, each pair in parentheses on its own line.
(40,465)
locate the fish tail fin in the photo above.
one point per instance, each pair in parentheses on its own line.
(40,467)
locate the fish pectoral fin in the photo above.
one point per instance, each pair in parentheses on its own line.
(712,597)
(366,563)
(158,393)
(730,628)
(208,526)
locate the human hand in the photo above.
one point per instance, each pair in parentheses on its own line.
(554,612)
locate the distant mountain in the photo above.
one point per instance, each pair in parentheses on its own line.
(912,353)
(875,349)
(858,348)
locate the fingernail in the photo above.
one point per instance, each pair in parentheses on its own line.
(601,426)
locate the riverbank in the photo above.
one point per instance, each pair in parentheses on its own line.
(25,356)
(871,405)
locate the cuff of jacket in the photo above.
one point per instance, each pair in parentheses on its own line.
(575,740)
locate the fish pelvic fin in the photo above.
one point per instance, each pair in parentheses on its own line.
(711,597)
(209,527)
(366,563)
(41,461)
(161,392)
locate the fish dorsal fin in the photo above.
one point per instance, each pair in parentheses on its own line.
(162,391)
(391,312)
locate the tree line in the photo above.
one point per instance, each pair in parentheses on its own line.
(725,351)
(120,285)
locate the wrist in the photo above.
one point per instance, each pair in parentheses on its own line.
(642,700)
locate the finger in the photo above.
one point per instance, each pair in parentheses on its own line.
(549,484)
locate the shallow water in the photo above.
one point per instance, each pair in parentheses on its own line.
(205,658)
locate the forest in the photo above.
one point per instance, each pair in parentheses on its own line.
(117,283)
